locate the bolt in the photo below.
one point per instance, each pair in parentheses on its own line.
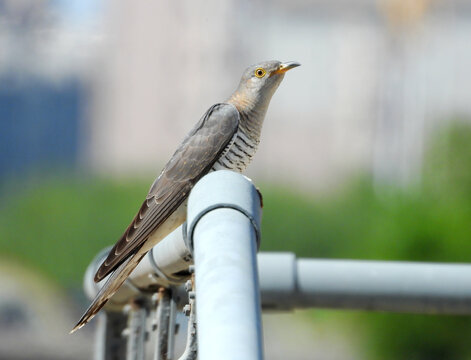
(188,286)
(187,309)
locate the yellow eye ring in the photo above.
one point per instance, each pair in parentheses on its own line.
(260,72)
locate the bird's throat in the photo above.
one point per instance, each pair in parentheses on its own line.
(252,112)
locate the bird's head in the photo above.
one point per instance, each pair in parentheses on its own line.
(259,82)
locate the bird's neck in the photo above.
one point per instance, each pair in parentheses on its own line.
(252,112)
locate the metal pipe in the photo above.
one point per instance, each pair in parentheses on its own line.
(163,324)
(172,327)
(109,341)
(136,330)
(223,223)
(385,286)
(191,348)
(430,288)
(288,283)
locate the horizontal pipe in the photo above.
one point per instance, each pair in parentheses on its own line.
(412,287)
(287,283)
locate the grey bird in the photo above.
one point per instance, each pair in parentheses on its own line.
(226,137)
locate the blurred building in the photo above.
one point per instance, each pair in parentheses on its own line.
(45,60)
(117,85)
(377,77)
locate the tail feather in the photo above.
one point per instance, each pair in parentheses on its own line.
(113,283)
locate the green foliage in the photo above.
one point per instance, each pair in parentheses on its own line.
(419,337)
(58,226)
(430,223)
(405,226)
(447,167)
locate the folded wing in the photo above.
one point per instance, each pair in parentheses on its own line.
(194,158)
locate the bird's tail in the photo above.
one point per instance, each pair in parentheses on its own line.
(113,283)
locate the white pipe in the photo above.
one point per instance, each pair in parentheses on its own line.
(430,288)
(287,283)
(223,223)
(385,286)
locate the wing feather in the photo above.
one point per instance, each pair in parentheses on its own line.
(194,158)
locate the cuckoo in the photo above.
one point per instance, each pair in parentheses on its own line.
(226,137)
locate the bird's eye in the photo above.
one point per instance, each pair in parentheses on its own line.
(260,72)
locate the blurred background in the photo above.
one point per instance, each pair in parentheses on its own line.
(365,153)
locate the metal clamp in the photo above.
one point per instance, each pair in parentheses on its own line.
(220,193)
(170,280)
(189,235)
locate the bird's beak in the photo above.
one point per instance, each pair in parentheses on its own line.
(284,67)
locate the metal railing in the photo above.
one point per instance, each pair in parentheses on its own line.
(209,270)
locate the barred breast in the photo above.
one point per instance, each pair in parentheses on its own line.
(238,153)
